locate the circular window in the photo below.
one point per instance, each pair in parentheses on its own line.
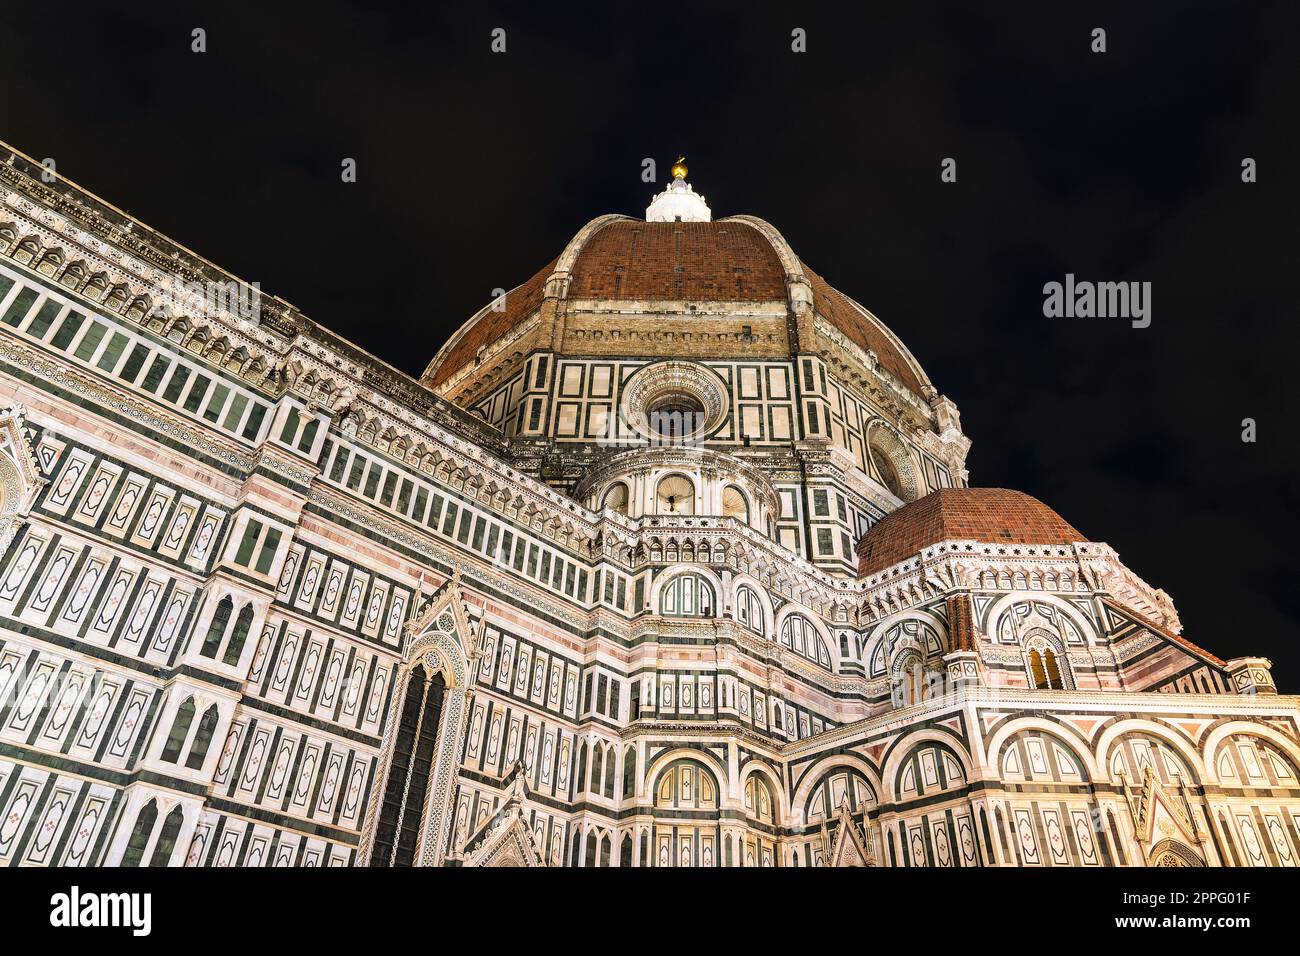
(673,402)
(675,415)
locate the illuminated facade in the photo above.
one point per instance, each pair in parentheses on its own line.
(668,559)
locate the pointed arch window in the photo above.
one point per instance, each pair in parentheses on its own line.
(162,851)
(397,833)
(238,636)
(217,629)
(144,822)
(1045,669)
(609,774)
(202,739)
(597,765)
(629,773)
(180,730)
(580,782)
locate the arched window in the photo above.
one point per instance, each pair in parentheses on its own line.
(734,504)
(907,682)
(580,783)
(180,730)
(217,629)
(799,634)
(686,785)
(144,822)
(758,799)
(609,774)
(597,765)
(606,848)
(616,498)
(202,739)
(625,850)
(238,636)
(397,833)
(1045,669)
(886,468)
(687,595)
(675,495)
(749,609)
(629,773)
(839,787)
(162,851)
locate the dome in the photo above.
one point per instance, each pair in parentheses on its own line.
(690,271)
(988,515)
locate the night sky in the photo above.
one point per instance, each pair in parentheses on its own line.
(475,169)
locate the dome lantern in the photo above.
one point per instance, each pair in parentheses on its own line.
(678,202)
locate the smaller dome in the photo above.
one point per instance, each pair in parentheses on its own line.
(987,515)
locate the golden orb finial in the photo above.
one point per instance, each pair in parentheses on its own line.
(679,168)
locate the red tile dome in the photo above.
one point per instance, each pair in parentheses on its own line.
(987,515)
(618,259)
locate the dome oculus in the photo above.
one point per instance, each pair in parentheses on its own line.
(672,402)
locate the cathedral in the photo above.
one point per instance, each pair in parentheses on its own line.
(670,558)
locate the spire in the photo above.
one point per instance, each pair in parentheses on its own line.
(678,202)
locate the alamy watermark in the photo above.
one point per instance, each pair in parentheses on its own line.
(242,300)
(1085,300)
(76,909)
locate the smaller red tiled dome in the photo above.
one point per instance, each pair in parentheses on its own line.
(990,515)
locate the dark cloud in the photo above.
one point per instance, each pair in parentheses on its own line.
(475,170)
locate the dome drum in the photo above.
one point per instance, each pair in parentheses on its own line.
(684,482)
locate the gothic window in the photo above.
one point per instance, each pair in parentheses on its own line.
(401,811)
(180,730)
(217,629)
(758,799)
(162,851)
(749,609)
(202,739)
(687,595)
(1045,668)
(616,498)
(144,822)
(908,684)
(580,783)
(625,850)
(686,785)
(629,773)
(606,848)
(799,634)
(597,765)
(238,636)
(609,774)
